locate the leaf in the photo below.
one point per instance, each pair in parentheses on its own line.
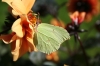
(48,38)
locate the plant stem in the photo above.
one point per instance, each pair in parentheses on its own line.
(83,50)
(68,48)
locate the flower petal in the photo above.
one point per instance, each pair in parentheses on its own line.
(28,4)
(31,45)
(16,56)
(74,15)
(29,37)
(18,6)
(14,53)
(17,28)
(23,49)
(15,46)
(82,17)
(15,13)
(8,38)
(7,1)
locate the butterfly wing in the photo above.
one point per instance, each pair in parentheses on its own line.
(48,38)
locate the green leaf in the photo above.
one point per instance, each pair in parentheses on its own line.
(48,38)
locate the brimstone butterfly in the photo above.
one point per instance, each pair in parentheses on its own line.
(48,38)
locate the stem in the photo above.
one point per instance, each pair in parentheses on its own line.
(83,50)
(68,48)
(75,45)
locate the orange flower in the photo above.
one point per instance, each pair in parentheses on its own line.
(78,17)
(56,22)
(53,57)
(21,38)
(85,9)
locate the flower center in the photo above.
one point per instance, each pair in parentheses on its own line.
(32,18)
(83,6)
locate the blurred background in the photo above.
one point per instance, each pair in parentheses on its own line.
(84,51)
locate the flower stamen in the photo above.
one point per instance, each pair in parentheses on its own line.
(32,18)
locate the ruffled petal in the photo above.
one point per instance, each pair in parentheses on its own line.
(24,48)
(82,17)
(14,53)
(16,56)
(28,4)
(7,1)
(8,38)
(15,13)
(17,28)
(29,38)
(78,17)
(18,6)
(74,15)
(31,44)
(27,26)
(15,47)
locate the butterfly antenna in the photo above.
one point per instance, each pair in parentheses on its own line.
(38,18)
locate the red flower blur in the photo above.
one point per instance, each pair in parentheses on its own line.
(83,9)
